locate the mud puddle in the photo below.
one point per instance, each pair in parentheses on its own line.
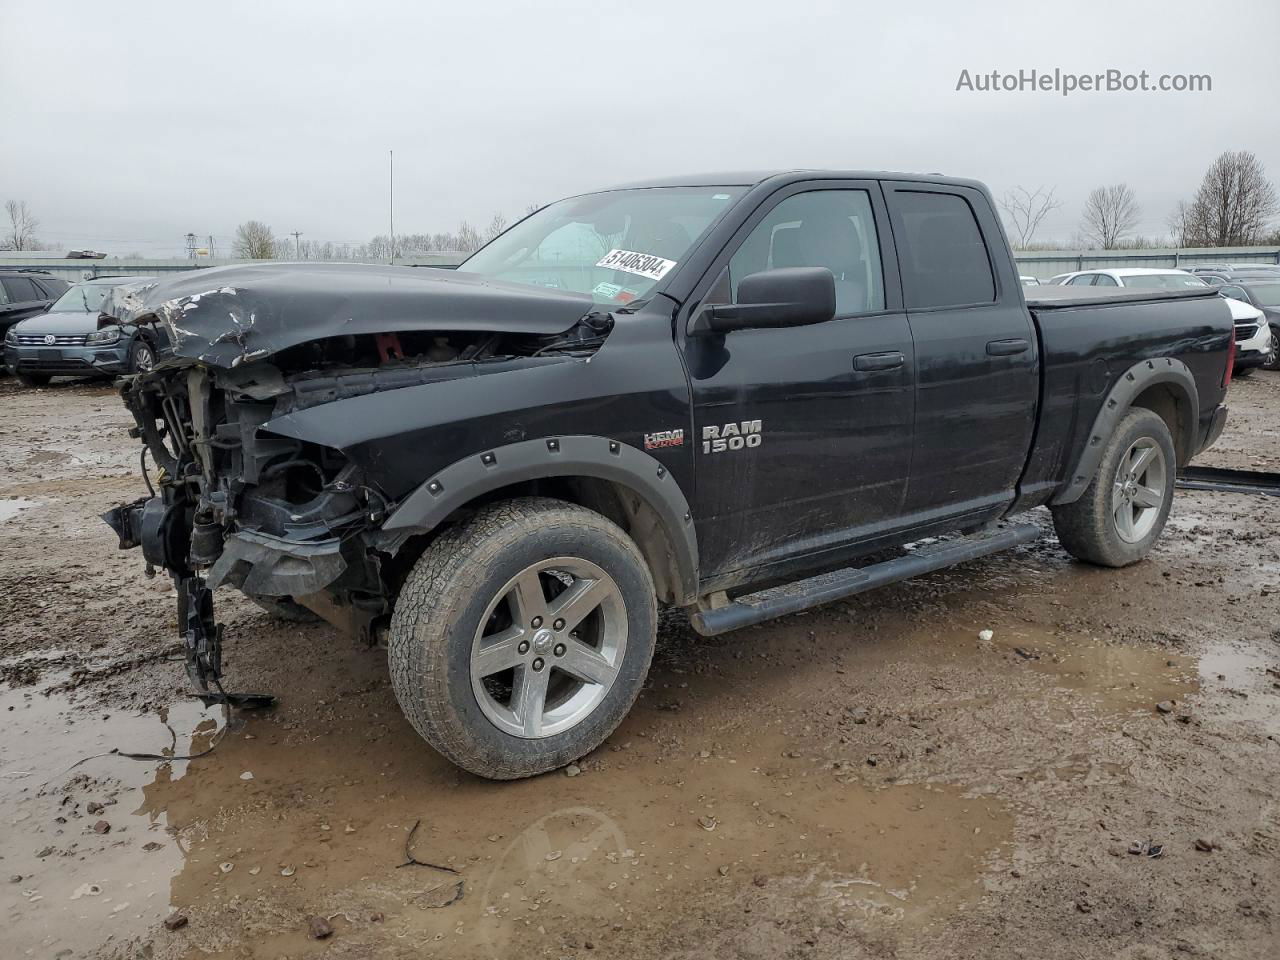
(10,507)
(283,822)
(67,885)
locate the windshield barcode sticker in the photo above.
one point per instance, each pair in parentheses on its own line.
(641,264)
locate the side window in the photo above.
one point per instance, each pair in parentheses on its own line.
(1233,293)
(822,228)
(1105,281)
(943,258)
(4,294)
(53,288)
(22,289)
(1084,280)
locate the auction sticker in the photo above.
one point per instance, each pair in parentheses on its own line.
(641,264)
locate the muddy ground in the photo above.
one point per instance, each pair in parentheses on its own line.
(871,779)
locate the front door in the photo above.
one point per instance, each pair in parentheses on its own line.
(803,434)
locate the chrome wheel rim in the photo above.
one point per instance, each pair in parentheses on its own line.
(549,647)
(143,360)
(1138,490)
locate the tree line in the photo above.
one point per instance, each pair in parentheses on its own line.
(1234,206)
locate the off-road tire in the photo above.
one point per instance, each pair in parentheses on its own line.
(285,608)
(1087,528)
(34,379)
(439,609)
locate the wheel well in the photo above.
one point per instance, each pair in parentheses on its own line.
(630,511)
(1172,406)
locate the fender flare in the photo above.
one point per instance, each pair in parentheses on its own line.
(545,458)
(1118,402)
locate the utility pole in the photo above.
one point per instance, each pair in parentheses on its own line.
(213,252)
(297,248)
(393,203)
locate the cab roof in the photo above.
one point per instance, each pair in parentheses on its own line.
(754,177)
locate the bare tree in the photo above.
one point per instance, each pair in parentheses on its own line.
(254,241)
(1025,209)
(1233,206)
(1109,214)
(496,226)
(469,238)
(22,226)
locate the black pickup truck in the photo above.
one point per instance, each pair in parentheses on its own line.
(739,394)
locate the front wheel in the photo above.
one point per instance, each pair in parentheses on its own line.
(141,357)
(1120,516)
(522,637)
(1273,358)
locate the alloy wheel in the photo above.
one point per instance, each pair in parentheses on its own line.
(549,647)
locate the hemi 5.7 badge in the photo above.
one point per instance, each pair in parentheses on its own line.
(664,438)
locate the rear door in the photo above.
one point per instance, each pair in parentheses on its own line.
(803,434)
(25,298)
(976,354)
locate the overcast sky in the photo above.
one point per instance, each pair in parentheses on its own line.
(127,124)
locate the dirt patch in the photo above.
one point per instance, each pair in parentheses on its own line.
(872,779)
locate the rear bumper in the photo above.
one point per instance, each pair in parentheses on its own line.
(68,361)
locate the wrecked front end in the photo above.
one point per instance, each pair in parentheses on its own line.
(232,501)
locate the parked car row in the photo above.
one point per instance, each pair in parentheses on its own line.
(1257,344)
(64,338)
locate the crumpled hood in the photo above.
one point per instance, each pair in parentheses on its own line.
(62,323)
(226,316)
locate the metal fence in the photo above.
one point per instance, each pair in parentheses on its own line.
(1043,264)
(1040,264)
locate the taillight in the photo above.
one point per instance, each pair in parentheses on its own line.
(1231,359)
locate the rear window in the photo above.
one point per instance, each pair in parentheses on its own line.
(945,262)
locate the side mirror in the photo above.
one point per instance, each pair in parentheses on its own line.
(785,297)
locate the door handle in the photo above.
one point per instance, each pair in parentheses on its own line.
(1007,348)
(879,361)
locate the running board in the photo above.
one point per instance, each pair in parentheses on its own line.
(803,594)
(1229,481)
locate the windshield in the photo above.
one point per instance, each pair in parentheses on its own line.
(1267,294)
(613,246)
(1164,281)
(85,298)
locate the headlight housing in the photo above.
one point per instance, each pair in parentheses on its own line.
(103,337)
(11,335)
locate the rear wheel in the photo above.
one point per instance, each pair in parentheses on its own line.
(522,637)
(34,379)
(1121,514)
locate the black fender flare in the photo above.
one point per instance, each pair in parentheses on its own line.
(545,458)
(1118,402)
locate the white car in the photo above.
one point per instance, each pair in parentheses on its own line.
(1253,333)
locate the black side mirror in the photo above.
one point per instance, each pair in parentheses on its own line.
(785,297)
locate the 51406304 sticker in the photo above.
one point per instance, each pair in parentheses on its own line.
(641,264)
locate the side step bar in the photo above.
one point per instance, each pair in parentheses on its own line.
(1229,481)
(803,594)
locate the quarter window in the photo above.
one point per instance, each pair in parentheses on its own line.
(835,229)
(943,257)
(1105,281)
